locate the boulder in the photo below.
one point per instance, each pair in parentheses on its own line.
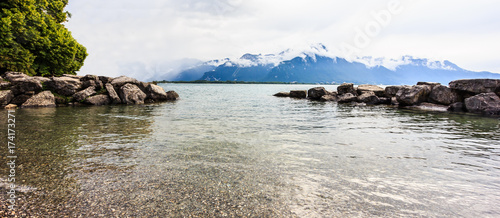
(347,97)
(13,76)
(329,97)
(391,91)
(98,100)
(131,94)
(457,107)
(282,94)
(379,91)
(443,95)
(122,80)
(368,98)
(346,88)
(476,86)
(413,95)
(72,76)
(41,79)
(66,86)
(4,85)
(172,96)
(105,79)
(10,106)
(20,99)
(431,84)
(298,94)
(156,93)
(91,80)
(26,84)
(316,93)
(115,99)
(42,99)
(6,96)
(484,103)
(82,95)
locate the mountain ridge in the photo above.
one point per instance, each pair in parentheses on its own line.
(317,65)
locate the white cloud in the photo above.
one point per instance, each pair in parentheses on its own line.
(118,33)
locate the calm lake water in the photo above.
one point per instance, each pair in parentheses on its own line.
(236,150)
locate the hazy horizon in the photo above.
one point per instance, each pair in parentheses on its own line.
(148,37)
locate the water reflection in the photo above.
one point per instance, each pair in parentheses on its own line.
(223,151)
(55,144)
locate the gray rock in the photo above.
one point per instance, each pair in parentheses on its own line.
(20,99)
(91,80)
(379,91)
(156,93)
(82,95)
(368,98)
(105,79)
(122,80)
(13,76)
(6,96)
(298,94)
(131,94)
(443,95)
(66,86)
(476,86)
(316,93)
(26,84)
(115,99)
(484,103)
(347,97)
(41,79)
(391,91)
(346,88)
(413,95)
(98,100)
(10,106)
(4,85)
(329,97)
(72,76)
(172,96)
(282,94)
(457,107)
(42,99)
(431,84)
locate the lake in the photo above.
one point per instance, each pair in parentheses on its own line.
(235,150)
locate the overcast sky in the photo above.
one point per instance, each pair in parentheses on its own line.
(134,37)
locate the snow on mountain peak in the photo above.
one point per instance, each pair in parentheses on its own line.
(394,63)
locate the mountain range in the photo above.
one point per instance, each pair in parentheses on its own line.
(317,65)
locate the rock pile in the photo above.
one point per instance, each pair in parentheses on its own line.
(19,89)
(468,95)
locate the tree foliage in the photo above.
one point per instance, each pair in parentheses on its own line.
(34,40)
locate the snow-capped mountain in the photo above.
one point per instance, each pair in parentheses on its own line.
(316,64)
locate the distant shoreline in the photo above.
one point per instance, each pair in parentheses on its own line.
(241,82)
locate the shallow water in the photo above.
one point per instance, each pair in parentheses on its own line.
(236,150)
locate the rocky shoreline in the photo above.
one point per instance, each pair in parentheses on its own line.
(20,90)
(481,96)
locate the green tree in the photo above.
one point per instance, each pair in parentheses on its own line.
(34,40)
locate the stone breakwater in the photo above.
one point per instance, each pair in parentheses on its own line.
(468,95)
(20,90)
